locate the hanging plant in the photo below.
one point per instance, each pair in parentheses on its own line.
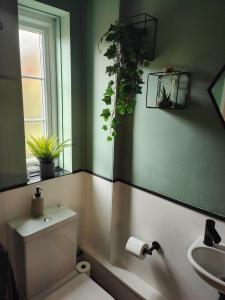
(126,45)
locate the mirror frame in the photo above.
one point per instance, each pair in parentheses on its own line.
(212,96)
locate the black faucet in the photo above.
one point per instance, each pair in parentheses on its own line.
(211,234)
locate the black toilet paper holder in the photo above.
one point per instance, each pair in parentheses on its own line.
(155,246)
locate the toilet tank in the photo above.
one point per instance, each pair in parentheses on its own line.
(45,249)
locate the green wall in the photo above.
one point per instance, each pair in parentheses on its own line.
(12,148)
(12,157)
(180,154)
(98,152)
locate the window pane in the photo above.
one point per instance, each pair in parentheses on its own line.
(30,52)
(35,129)
(32,98)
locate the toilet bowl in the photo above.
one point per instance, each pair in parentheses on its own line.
(45,258)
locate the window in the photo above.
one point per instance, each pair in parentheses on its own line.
(45,50)
(33,83)
(38,71)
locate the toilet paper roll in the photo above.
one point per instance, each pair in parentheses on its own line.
(84,267)
(137,247)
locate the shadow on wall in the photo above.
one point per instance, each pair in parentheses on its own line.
(158,269)
(124,144)
(121,226)
(97,215)
(168,280)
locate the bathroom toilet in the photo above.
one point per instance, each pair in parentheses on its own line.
(45,258)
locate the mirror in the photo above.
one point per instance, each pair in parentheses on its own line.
(217,94)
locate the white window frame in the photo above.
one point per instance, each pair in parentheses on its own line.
(46,25)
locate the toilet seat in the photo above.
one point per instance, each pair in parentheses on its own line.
(80,287)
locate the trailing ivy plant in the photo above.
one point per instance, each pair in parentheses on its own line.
(126,45)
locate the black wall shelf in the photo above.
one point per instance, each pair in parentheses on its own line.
(168,90)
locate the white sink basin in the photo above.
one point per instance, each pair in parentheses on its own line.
(209,263)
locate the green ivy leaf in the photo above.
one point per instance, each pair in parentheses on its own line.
(104,127)
(107,100)
(109,138)
(138,90)
(115,123)
(111,28)
(140,72)
(114,134)
(130,110)
(111,83)
(110,37)
(111,52)
(109,91)
(111,70)
(105,114)
(122,110)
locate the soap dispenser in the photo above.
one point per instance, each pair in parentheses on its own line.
(37,204)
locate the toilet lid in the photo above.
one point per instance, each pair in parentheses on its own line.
(79,288)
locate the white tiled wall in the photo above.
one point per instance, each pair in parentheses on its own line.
(149,218)
(109,213)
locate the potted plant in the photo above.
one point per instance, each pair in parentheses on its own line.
(165,101)
(46,150)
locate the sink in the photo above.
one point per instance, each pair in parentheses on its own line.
(209,263)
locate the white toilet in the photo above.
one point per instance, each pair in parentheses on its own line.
(45,258)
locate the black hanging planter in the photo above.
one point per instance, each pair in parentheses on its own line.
(150,23)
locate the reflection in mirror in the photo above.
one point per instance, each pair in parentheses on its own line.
(217,94)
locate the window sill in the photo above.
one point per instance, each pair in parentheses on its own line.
(36,178)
